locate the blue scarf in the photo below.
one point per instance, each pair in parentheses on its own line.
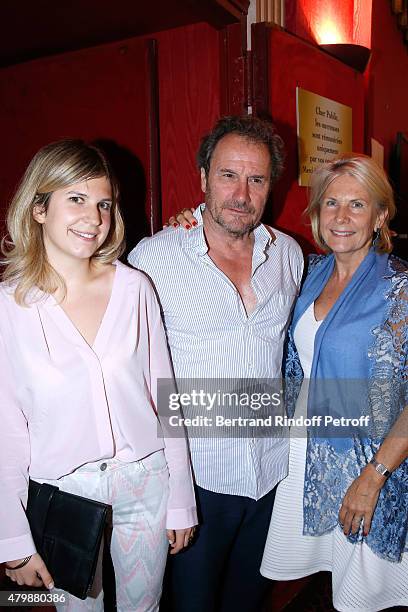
(358,369)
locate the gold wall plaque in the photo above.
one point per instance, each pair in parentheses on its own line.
(324,130)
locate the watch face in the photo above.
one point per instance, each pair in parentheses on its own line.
(380,468)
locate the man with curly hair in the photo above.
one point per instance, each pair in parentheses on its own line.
(227,288)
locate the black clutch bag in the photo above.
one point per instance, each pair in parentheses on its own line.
(67,530)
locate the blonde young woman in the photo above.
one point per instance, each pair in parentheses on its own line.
(81,349)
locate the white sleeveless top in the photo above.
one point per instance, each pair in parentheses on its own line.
(304,337)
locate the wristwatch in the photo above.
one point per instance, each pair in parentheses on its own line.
(380,468)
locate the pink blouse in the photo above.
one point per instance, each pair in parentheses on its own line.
(59,397)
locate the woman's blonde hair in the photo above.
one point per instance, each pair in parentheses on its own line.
(55,166)
(370,175)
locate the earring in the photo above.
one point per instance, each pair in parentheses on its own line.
(376,237)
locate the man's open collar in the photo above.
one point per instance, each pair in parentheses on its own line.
(194,238)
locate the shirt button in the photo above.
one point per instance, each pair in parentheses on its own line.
(103,466)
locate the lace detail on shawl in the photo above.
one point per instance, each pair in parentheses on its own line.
(388,396)
(292,374)
(325,489)
(388,391)
(329,473)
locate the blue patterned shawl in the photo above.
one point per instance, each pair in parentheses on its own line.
(364,336)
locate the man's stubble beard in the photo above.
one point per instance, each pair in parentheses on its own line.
(216,214)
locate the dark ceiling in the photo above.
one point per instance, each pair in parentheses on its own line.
(35,28)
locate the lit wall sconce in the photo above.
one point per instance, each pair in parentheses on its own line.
(342,28)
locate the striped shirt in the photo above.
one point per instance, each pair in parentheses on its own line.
(212,337)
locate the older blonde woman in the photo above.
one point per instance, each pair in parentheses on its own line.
(82,347)
(344,505)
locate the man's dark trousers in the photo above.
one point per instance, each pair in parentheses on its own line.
(219,572)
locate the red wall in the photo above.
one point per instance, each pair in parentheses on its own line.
(296,63)
(330,21)
(95,93)
(189,83)
(387,76)
(102,93)
(309,19)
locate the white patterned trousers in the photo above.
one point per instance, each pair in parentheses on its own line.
(138,495)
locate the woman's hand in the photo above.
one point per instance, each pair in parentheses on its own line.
(179,539)
(185,218)
(360,501)
(35,573)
